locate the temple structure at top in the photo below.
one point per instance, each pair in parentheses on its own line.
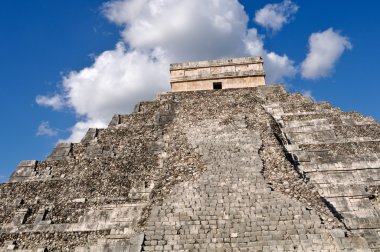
(217,74)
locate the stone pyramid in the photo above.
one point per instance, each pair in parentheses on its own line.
(246,169)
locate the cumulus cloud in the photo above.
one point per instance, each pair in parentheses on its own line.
(44,129)
(325,48)
(187,32)
(155,33)
(274,16)
(55,101)
(277,67)
(186,29)
(115,82)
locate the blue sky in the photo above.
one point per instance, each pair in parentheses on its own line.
(43,41)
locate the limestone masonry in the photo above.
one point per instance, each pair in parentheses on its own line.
(217,74)
(244,169)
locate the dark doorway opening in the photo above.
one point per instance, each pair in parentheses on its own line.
(217,85)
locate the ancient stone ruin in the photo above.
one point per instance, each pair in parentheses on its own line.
(217,74)
(237,169)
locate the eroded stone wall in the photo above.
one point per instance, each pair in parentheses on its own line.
(230,73)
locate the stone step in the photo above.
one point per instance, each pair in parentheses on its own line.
(331,134)
(371,161)
(307,126)
(370,176)
(340,190)
(338,154)
(297,106)
(368,130)
(334,118)
(135,119)
(145,106)
(325,137)
(372,129)
(354,207)
(341,148)
(364,223)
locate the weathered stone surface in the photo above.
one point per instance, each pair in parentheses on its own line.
(61,152)
(338,153)
(224,73)
(25,170)
(252,169)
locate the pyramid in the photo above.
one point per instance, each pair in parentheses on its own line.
(233,169)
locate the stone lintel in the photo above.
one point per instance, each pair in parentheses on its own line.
(225,75)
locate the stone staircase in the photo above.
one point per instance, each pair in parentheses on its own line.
(231,206)
(337,152)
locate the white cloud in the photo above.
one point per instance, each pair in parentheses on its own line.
(116,81)
(186,29)
(277,67)
(274,16)
(325,48)
(44,129)
(55,101)
(156,33)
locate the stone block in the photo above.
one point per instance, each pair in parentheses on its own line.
(25,170)
(79,200)
(62,151)
(116,120)
(20,216)
(91,134)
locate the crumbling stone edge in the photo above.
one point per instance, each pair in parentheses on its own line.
(287,178)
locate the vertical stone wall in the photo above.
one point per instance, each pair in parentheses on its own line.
(229,73)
